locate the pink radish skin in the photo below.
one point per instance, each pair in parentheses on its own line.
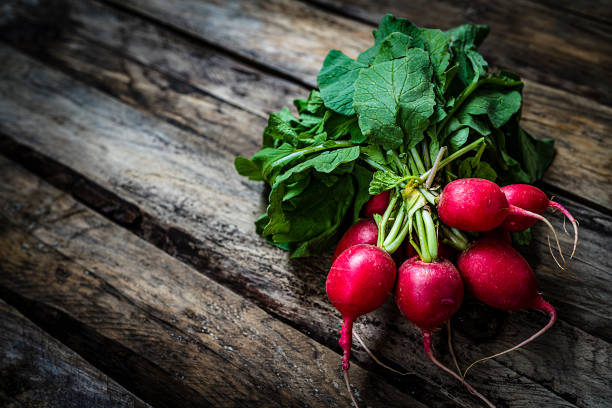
(472,205)
(532,199)
(359,281)
(362,232)
(428,294)
(377,204)
(497,275)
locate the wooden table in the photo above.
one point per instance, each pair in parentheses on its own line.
(130,272)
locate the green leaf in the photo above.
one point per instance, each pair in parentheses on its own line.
(437,43)
(473,167)
(498,105)
(247,168)
(336,81)
(313,105)
(459,138)
(396,45)
(279,128)
(464,42)
(271,160)
(325,162)
(394,100)
(390,24)
(362,177)
(383,181)
(310,223)
(337,126)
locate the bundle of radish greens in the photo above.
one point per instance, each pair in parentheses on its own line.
(402,152)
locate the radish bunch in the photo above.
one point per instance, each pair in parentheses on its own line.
(428,292)
(406,142)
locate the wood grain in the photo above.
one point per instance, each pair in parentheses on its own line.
(180,337)
(36,370)
(186,173)
(580,126)
(597,10)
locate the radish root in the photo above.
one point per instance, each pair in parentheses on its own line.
(428,350)
(348,387)
(346,341)
(542,305)
(450,345)
(569,216)
(376,358)
(514,210)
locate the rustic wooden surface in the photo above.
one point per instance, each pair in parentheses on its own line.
(127,236)
(38,370)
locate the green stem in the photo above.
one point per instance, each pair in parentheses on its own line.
(457,241)
(399,220)
(377,166)
(383,221)
(422,234)
(432,236)
(416,248)
(426,158)
(434,168)
(398,162)
(393,245)
(417,160)
(454,156)
(429,196)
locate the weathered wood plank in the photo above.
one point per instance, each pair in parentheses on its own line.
(598,10)
(99,288)
(579,125)
(36,370)
(179,191)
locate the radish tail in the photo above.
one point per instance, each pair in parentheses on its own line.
(450,345)
(514,210)
(348,387)
(428,350)
(559,207)
(376,358)
(346,341)
(540,304)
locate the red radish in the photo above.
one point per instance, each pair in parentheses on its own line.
(358,282)
(474,204)
(532,199)
(377,204)
(362,232)
(500,277)
(428,294)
